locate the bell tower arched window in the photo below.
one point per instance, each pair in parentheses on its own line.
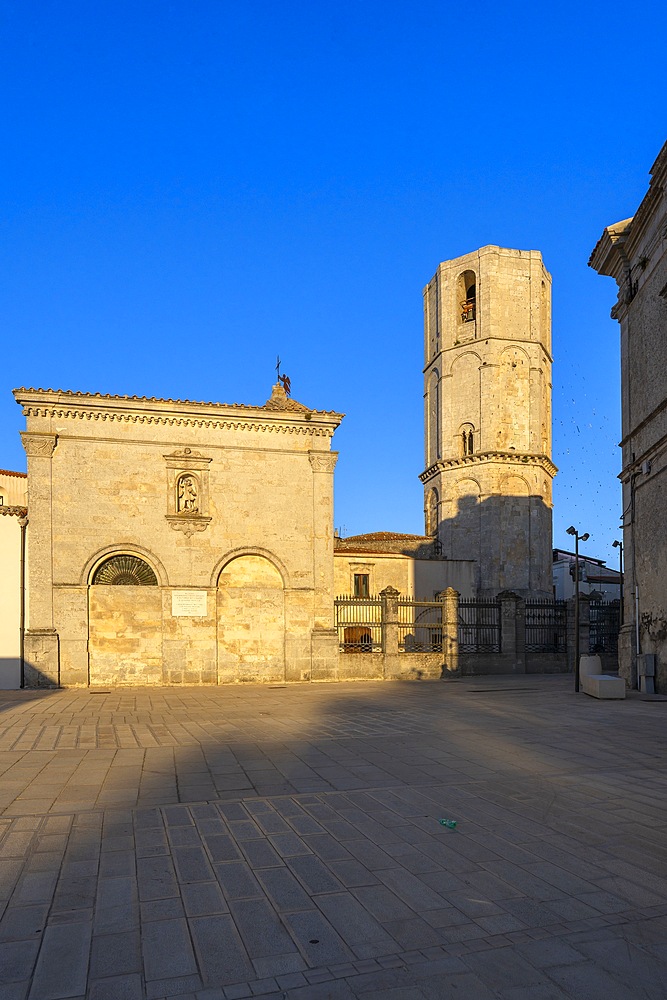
(467,433)
(467,288)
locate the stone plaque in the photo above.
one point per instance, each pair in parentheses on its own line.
(188,603)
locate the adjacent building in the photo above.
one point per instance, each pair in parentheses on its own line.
(634,253)
(13,519)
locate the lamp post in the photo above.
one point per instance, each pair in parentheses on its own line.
(619,545)
(577,538)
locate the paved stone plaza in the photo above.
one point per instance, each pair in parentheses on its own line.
(284,842)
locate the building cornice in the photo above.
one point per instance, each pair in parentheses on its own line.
(485,457)
(13,511)
(68,405)
(471,346)
(609,257)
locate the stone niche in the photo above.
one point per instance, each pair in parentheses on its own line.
(187,491)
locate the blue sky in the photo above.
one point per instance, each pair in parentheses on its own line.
(189,188)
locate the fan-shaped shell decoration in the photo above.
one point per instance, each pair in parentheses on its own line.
(125,571)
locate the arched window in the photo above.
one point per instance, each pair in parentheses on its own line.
(468,296)
(125,571)
(467,440)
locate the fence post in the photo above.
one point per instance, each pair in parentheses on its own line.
(450,628)
(584,628)
(513,630)
(389,610)
(584,624)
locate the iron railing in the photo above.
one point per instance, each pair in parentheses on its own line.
(359,624)
(604,626)
(546,626)
(479,625)
(420,626)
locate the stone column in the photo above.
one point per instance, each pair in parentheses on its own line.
(450,628)
(389,597)
(324,637)
(513,631)
(42,659)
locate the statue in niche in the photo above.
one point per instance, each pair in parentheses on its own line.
(188,495)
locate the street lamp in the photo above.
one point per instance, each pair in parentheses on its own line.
(577,538)
(619,545)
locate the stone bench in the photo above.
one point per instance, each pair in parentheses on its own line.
(596,684)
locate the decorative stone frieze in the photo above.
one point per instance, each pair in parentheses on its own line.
(323,461)
(39,445)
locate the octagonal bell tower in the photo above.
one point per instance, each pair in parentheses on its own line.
(487,416)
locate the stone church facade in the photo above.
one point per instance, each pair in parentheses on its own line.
(487,408)
(217,520)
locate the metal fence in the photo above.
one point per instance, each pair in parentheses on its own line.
(546,626)
(420,626)
(479,625)
(359,624)
(604,625)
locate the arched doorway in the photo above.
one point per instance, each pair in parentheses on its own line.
(251,621)
(124,623)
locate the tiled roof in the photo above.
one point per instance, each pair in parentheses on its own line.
(386,536)
(8,472)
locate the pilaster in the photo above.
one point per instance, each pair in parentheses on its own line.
(39,448)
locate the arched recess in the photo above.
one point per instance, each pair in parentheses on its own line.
(513,431)
(467,520)
(431,512)
(124,621)
(514,527)
(251,550)
(465,391)
(433,426)
(250,620)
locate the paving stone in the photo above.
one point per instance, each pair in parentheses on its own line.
(503,967)
(284,890)
(261,930)
(17,959)
(192,865)
(586,979)
(167,951)
(317,939)
(278,965)
(355,924)
(115,954)
(174,987)
(313,874)
(220,951)
(156,878)
(237,880)
(116,988)
(260,854)
(62,965)
(411,889)
(222,847)
(23,923)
